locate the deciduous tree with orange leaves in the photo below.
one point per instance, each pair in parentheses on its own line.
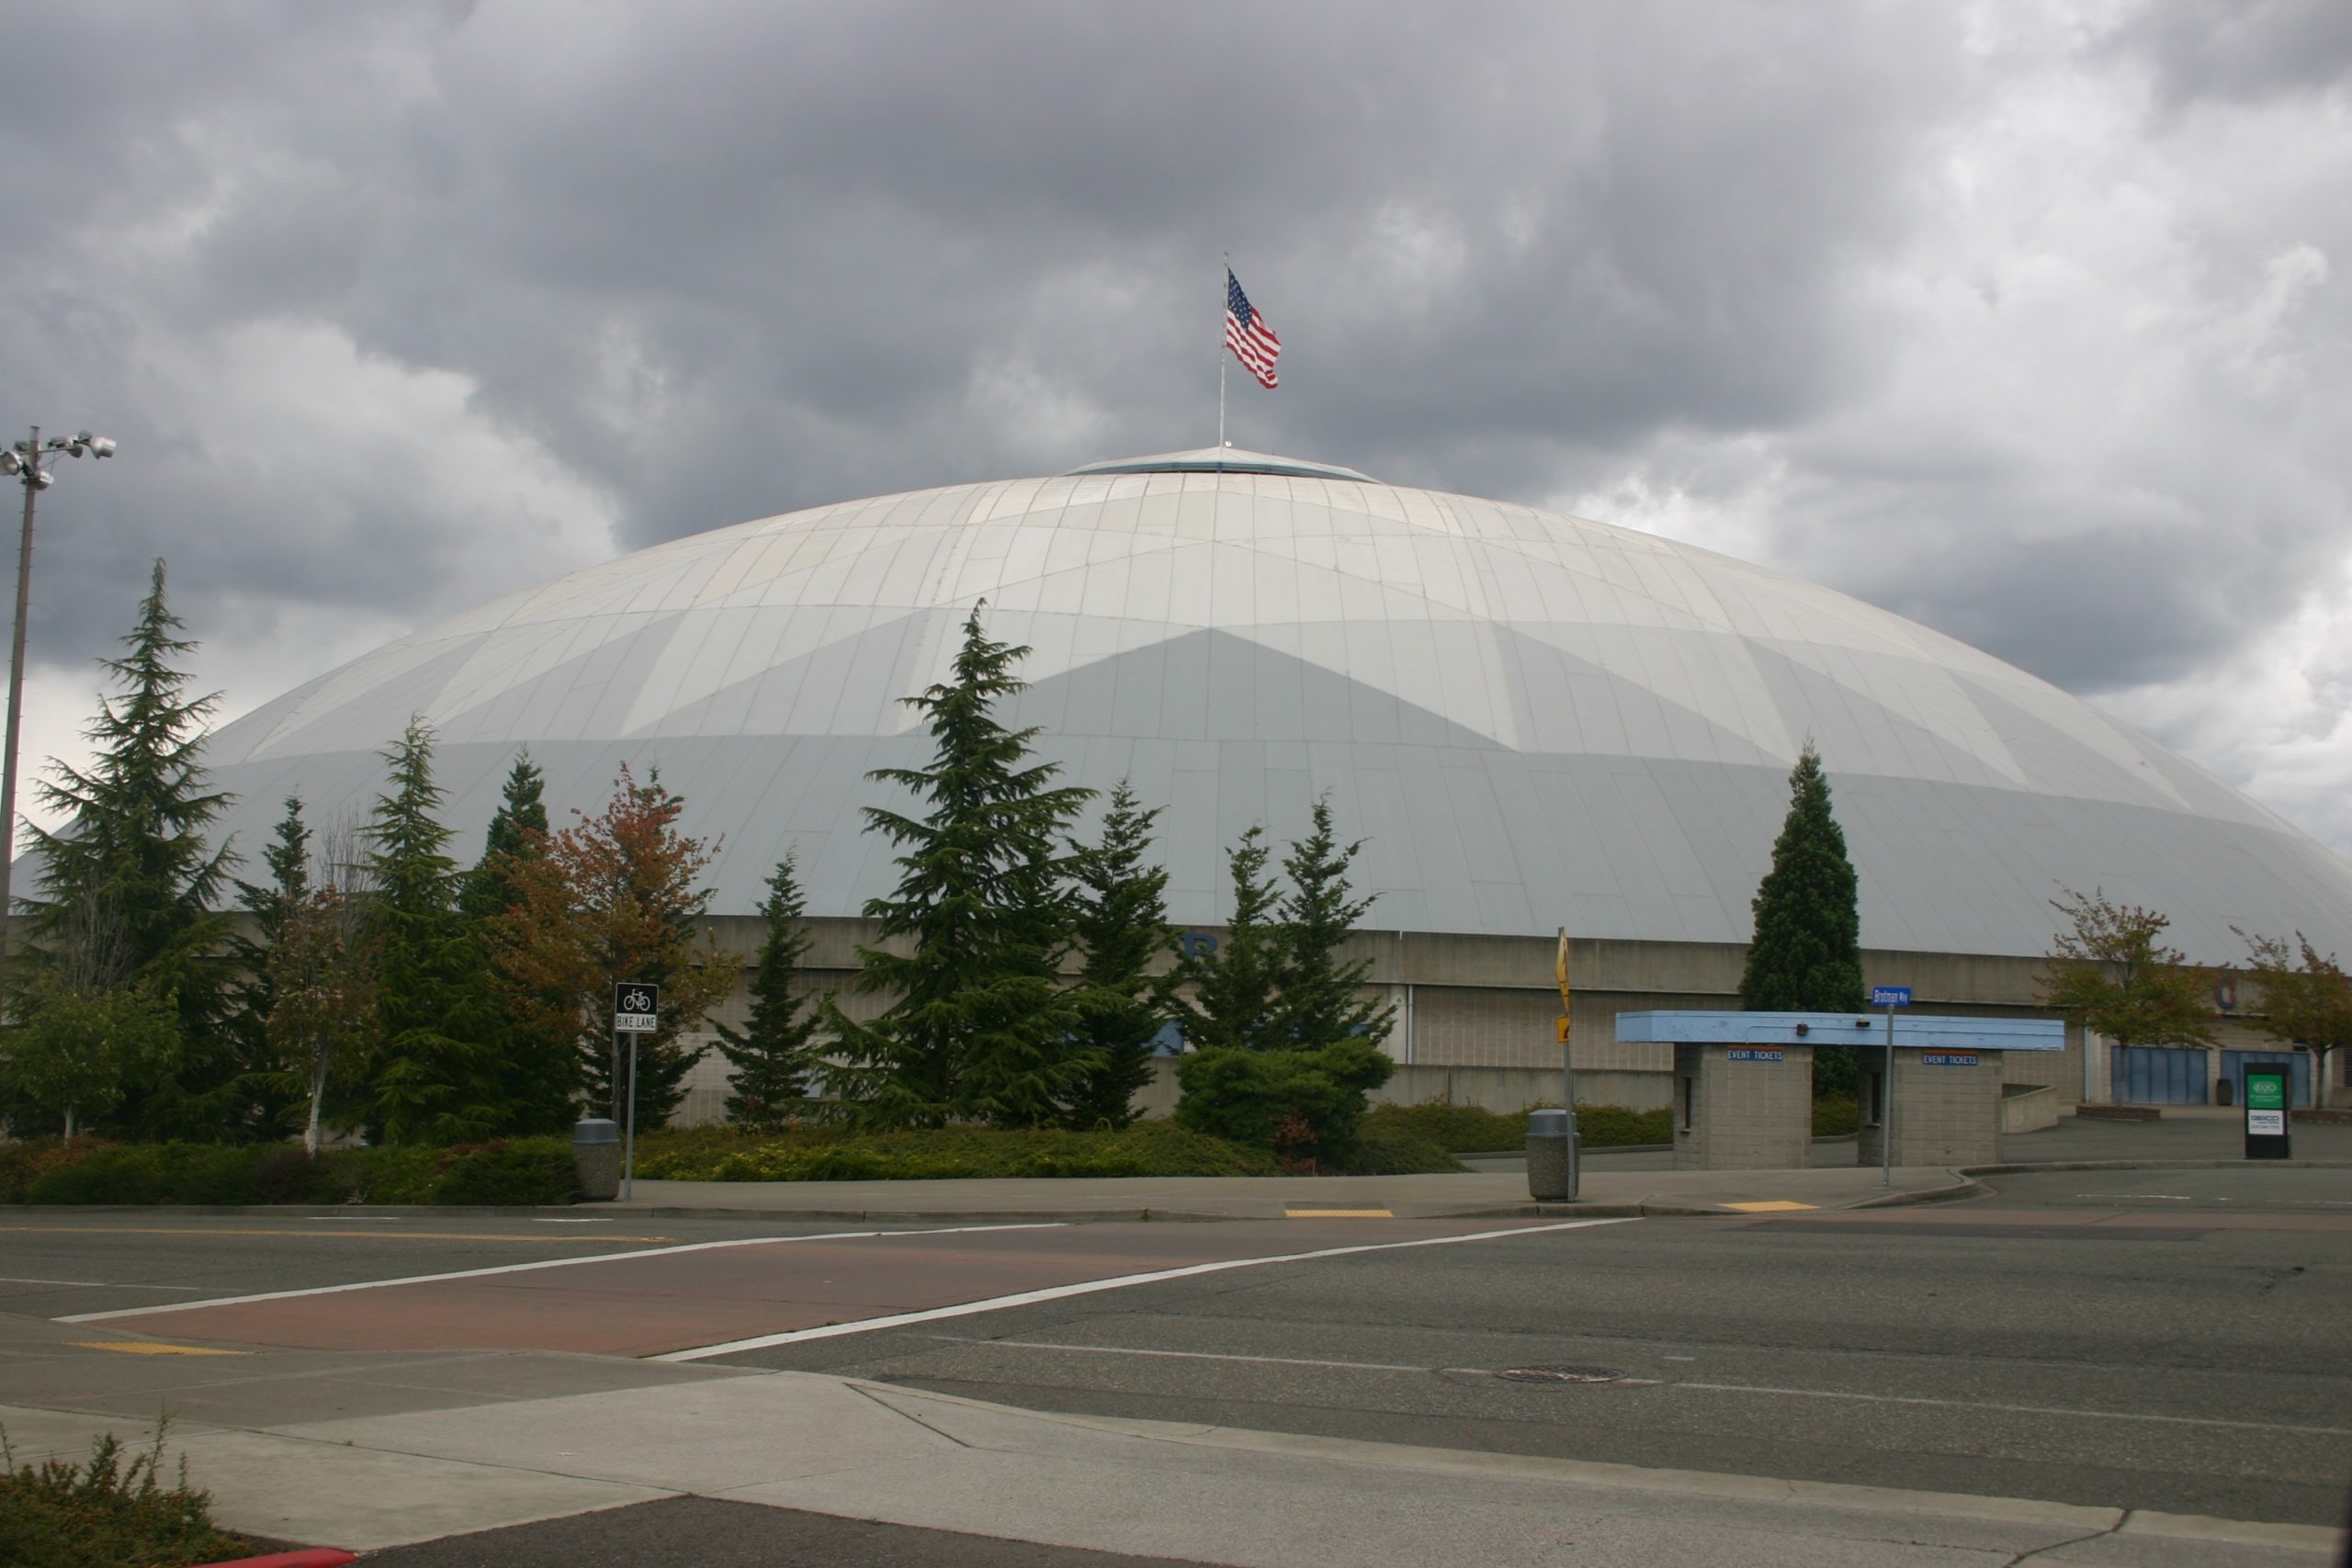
(614,899)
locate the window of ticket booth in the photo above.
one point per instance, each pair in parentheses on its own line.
(1873,1095)
(1687,1097)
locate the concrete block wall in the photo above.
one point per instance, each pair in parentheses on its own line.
(1732,1115)
(1942,1116)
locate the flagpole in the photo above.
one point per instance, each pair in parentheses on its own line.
(1221,358)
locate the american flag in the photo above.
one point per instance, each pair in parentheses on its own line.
(1246,333)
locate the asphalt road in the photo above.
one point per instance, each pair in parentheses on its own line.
(2170,1340)
(2192,1370)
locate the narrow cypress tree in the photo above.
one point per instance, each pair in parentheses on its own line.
(1229,994)
(1322,1002)
(433,1076)
(774,1053)
(978,1026)
(538,1068)
(1808,955)
(133,843)
(1120,920)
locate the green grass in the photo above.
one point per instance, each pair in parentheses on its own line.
(109,1510)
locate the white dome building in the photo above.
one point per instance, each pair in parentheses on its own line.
(1535,722)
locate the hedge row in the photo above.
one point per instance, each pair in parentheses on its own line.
(521,1171)
(1467,1129)
(1147,1148)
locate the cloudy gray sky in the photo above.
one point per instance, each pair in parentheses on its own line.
(2030,322)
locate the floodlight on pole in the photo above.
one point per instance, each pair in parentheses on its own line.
(30,462)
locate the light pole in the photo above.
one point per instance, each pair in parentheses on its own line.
(31,462)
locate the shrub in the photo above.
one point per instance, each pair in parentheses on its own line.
(1147,1148)
(25,1161)
(1457,1129)
(518,1172)
(150,1173)
(1307,1106)
(1615,1126)
(1835,1116)
(515,1172)
(62,1514)
(1383,1153)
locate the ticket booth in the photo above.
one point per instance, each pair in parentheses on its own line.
(1743,1088)
(1743,1084)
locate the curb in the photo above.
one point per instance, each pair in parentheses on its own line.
(310,1557)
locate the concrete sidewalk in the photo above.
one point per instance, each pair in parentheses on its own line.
(1605,1193)
(1222,1496)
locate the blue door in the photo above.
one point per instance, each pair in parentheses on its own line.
(2232,1060)
(2159,1074)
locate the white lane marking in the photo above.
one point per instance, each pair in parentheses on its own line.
(2013,1409)
(2167,1196)
(1667,1383)
(99,1284)
(571,1222)
(1087,1287)
(546,1263)
(1178,1355)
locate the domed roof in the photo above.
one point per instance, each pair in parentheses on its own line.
(1534,720)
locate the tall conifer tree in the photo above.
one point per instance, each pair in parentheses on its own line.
(433,1075)
(775,1054)
(978,1026)
(134,843)
(1120,920)
(540,1069)
(1808,953)
(1229,992)
(268,906)
(1322,1001)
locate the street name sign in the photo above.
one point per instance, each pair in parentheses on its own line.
(1890,996)
(637,1008)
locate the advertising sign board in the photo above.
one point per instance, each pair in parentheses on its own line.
(2268,1086)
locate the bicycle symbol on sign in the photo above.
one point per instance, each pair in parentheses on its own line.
(636,1001)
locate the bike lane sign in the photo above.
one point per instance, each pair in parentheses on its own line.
(637,1008)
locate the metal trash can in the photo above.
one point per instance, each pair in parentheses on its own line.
(596,1160)
(2225,1092)
(1550,1168)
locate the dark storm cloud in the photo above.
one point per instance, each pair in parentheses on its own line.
(378,298)
(2241,50)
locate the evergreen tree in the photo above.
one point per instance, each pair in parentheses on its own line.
(1806,955)
(133,841)
(1120,921)
(433,1075)
(252,997)
(540,1069)
(1229,999)
(1322,1002)
(611,900)
(978,1026)
(775,1054)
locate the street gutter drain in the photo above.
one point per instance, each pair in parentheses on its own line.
(1559,1374)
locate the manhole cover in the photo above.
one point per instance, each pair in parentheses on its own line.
(1559,1374)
